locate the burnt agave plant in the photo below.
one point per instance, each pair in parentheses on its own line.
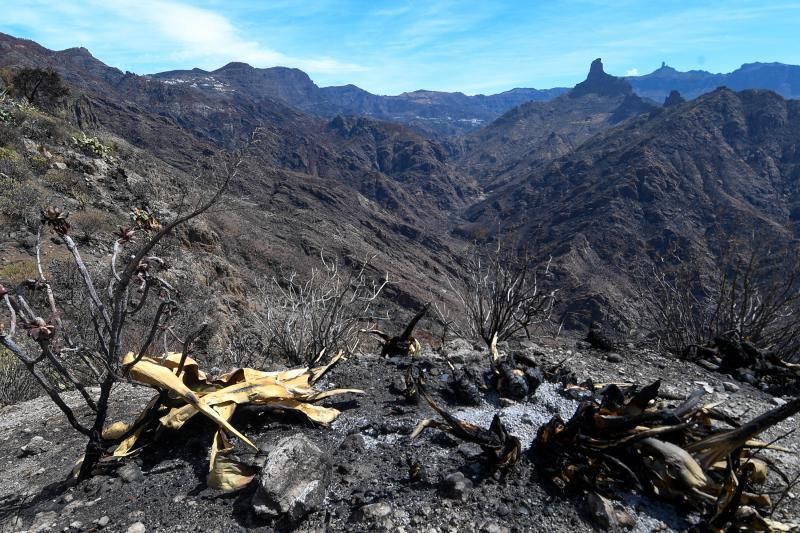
(56,219)
(40,329)
(125,234)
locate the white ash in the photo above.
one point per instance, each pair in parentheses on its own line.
(522,419)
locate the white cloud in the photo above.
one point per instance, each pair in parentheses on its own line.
(183,33)
(632,72)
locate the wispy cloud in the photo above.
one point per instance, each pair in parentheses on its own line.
(632,72)
(391,46)
(177,31)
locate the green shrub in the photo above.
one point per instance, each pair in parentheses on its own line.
(6,117)
(39,164)
(8,154)
(41,87)
(18,271)
(62,181)
(92,146)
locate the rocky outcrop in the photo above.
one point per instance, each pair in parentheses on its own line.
(537,132)
(600,83)
(673,99)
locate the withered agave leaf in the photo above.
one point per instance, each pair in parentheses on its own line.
(227,474)
(315,413)
(151,372)
(221,443)
(115,430)
(218,398)
(672,469)
(716,447)
(748,519)
(265,388)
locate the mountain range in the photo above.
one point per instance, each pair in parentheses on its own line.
(601,177)
(777,77)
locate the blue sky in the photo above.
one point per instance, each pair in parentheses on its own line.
(390,47)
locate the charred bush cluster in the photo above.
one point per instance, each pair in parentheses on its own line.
(741,318)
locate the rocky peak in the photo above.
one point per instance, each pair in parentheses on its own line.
(673,99)
(235,65)
(600,83)
(596,70)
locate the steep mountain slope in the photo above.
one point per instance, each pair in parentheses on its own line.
(356,188)
(432,112)
(686,178)
(537,132)
(777,77)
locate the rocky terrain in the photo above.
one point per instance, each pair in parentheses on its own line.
(598,178)
(362,461)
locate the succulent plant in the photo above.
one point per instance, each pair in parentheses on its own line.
(56,219)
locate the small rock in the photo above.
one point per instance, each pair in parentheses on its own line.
(469,449)
(604,514)
(730,387)
(136,527)
(103,521)
(35,446)
(506,402)
(778,401)
(398,385)
(136,515)
(130,473)
(495,528)
(614,358)
(354,441)
(77,524)
(29,242)
(43,521)
(294,480)
(60,165)
(535,378)
(373,512)
(456,486)
(706,387)
(458,345)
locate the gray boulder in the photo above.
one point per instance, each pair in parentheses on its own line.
(293,481)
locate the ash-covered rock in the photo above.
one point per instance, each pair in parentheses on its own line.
(294,480)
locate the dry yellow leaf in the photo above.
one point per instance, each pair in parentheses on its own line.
(150,372)
(228,474)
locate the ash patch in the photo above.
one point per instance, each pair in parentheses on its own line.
(522,419)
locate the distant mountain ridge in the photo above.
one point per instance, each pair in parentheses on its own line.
(432,112)
(536,132)
(778,77)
